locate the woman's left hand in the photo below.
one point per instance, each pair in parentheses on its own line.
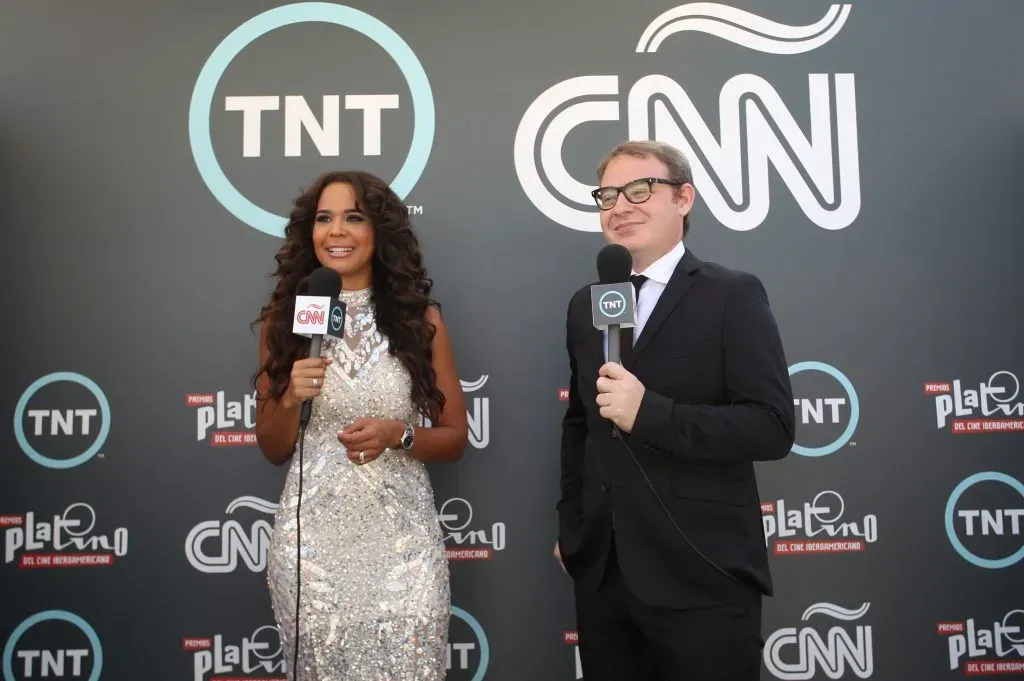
(366,439)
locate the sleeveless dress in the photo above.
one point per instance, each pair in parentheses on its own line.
(375,593)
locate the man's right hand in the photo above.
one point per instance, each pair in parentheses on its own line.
(558,556)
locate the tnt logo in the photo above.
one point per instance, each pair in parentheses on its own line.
(468,650)
(54,644)
(826,406)
(984,519)
(299,118)
(818,410)
(62,420)
(337,319)
(612,303)
(372,116)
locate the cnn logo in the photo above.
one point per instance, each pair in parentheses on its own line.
(314,314)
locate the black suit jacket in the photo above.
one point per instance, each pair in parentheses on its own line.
(718,398)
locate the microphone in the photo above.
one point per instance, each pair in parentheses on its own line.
(317,313)
(613,301)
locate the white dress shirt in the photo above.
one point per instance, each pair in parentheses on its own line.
(657,274)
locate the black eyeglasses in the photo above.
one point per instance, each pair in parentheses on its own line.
(636,191)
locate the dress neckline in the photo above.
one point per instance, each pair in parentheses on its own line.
(356,297)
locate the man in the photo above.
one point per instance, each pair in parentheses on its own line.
(703,392)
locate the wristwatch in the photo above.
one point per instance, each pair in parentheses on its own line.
(407,437)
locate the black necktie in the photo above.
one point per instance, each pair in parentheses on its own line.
(626,335)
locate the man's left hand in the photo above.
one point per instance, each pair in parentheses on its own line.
(619,395)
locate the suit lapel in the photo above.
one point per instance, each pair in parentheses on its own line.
(677,286)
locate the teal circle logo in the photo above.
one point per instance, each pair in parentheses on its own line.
(206,84)
(46,616)
(612,304)
(965,553)
(19,418)
(851,393)
(481,637)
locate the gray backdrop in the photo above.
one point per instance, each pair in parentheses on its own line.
(862,159)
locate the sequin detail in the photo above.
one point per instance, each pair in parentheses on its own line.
(375,595)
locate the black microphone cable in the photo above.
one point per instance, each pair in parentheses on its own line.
(668,513)
(303,422)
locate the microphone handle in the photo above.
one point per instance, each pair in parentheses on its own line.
(314,345)
(307,406)
(613,344)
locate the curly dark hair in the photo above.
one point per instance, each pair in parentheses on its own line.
(400,287)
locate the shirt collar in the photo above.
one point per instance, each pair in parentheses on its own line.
(661,269)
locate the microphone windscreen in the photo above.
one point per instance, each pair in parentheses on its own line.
(324,282)
(614,264)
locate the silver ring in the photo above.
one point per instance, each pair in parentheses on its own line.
(315,383)
(362,457)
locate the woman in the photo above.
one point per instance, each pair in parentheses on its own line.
(374,592)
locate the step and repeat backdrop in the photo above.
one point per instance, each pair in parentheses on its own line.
(861,158)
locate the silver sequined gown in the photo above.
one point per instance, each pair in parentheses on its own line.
(375,598)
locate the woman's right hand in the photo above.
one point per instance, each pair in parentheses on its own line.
(307,380)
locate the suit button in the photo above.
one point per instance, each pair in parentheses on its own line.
(605,487)
(615,434)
